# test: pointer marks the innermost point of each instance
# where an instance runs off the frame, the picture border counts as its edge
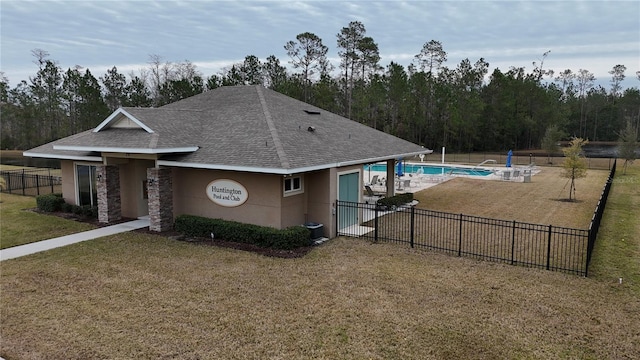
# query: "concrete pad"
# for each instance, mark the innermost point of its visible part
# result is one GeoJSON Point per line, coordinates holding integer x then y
{"type": "Point", "coordinates": [44, 245]}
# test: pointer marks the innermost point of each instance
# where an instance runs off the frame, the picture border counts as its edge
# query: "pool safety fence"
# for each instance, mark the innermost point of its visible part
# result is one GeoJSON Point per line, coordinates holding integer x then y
{"type": "Point", "coordinates": [518, 159]}
{"type": "Point", "coordinates": [511, 242]}
{"type": "Point", "coordinates": [30, 182]}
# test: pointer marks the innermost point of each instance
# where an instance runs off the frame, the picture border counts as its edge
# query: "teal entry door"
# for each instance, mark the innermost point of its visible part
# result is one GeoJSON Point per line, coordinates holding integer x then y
{"type": "Point", "coordinates": [348, 190]}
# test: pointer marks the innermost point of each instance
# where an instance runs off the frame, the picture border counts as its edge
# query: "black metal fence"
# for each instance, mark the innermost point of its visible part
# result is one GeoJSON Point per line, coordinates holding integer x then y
{"type": "Point", "coordinates": [30, 182]}
{"type": "Point", "coordinates": [597, 215]}
{"type": "Point", "coordinates": [506, 241]}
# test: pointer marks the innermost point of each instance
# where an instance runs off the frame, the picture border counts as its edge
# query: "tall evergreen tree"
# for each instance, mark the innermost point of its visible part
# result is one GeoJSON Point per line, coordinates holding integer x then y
{"type": "Point", "coordinates": [309, 54]}
{"type": "Point", "coordinates": [617, 76]}
{"type": "Point", "coordinates": [275, 75]}
{"type": "Point", "coordinates": [138, 94]}
{"type": "Point", "coordinates": [252, 70]}
{"type": "Point", "coordinates": [46, 89]}
{"type": "Point", "coordinates": [115, 88]}
{"type": "Point", "coordinates": [350, 41]}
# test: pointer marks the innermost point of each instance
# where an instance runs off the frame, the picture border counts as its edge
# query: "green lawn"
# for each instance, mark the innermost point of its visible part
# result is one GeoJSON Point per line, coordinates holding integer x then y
{"type": "Point", "coordinates": [19, 226]}
{"type": "Point", "coordinates": [617, 251]}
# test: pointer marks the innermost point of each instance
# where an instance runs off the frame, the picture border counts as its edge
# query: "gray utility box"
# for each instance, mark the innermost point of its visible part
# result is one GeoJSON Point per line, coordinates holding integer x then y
{"type": "Point", "coordinates": [317, 230]}
{"type": "Point", "coordinates": [527, 176]}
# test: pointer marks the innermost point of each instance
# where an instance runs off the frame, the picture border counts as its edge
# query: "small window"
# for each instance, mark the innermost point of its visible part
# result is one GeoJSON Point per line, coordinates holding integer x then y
{"type": "Point", "coordinates": [292, 185]}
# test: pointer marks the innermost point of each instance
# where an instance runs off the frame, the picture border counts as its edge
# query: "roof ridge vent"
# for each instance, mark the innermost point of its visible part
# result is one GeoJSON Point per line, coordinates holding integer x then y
{"type": "Point", "coordinates": [312, 112]}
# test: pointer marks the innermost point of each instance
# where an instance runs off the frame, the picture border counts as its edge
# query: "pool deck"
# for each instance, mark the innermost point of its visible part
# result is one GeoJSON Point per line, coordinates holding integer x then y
{"type": "Point", "coordinates": [418, 182]}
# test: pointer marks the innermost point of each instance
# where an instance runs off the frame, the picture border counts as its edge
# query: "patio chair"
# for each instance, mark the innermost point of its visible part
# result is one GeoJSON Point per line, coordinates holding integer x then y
{"type": "Point", "coordinates": [372, 193]}
{"type": "Point", "coordinates": [372, 196]}
{"type": "Point", "coordinates": [506, 175]}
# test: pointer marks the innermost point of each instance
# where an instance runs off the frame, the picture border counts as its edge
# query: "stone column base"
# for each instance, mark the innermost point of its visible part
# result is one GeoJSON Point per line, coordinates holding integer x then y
{"type": "Point", "coordinates": [160, 190]}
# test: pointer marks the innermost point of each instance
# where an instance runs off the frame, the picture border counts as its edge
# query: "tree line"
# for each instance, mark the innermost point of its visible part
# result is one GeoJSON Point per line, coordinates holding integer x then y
{"type": "Point", "coordinates": [429, 103]}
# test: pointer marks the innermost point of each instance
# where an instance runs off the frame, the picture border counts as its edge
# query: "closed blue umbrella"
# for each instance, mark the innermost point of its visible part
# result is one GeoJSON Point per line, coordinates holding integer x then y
{"type": "Point", "coordinates": [399, 172]}
{"type": "Point", "coordinates": [509, 154]}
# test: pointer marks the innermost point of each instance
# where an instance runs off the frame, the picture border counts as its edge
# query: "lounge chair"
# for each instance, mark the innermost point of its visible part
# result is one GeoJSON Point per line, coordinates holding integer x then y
{"type": "Point", "coordinates": [372, 196]}
{"type": "Point", "coordinates": [374, 180]}
{"type": "Point", "coordinates": [372, 193]}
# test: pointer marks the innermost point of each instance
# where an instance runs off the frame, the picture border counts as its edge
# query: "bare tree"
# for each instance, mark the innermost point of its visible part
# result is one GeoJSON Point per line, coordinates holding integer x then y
{"type": "Point", "coordinates": [627, 144]}
{"type": "Point", "coordinates": [538, 71]}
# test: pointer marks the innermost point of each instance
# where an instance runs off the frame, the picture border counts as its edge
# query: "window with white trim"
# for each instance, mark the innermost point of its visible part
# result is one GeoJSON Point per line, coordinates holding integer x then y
{"type": "Point", "coordinates": [293, 185]}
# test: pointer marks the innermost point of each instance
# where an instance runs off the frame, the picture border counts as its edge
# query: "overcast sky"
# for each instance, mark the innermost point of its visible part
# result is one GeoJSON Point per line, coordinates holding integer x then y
{"type": "Point", "coordinates": [592, 35]}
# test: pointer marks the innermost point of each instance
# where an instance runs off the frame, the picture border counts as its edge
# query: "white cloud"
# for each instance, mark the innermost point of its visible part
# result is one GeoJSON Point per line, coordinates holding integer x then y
{"type": "Point", "coordinates": [594, 35]}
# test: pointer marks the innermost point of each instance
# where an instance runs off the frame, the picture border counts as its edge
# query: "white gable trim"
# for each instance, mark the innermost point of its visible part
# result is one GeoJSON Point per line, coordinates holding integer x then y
{"type": "Point", "coordinates": [127, 150]}
{"type": "Point", "coordinates": [113, 118]}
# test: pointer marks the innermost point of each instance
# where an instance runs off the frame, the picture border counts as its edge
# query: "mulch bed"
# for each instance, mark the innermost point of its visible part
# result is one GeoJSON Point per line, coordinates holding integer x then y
{"type": "Point", "coordinates": [278, 253]}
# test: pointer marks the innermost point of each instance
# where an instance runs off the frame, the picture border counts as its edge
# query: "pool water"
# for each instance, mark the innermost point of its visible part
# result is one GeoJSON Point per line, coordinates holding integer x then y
{"type": "Point", "coordinates": [433, 169]}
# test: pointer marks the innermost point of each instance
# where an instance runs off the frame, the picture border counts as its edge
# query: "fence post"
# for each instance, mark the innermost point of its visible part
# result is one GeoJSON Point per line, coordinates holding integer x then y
{"type": "Point", "coordinates": [51, 181]}
{"type": "Point", "coordinates": [413, 223]}
{"type": "Point", "coordinates": [8, 177]}
{"type": "Point", "coordinates": [460, 237]}
{"type": "Point", "coordinates": [24, 185]}
{"type": "Point", "coordinates": [589, 247]}
{"type": "Point", "coordinates": [37, 184]}
{"type": "Point", "coordinates": [513, 240]}
{"type": "Point", "coordinates": [549, 248]}
{"type": "Point", "coordinates": [337, 217]}
{"type": "Point", "coordinates": [375, 223]}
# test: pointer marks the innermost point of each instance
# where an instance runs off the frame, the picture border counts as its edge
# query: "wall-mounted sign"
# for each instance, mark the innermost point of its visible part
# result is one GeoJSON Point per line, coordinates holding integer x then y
{"type": "Point", "coordinates": [225, 192]}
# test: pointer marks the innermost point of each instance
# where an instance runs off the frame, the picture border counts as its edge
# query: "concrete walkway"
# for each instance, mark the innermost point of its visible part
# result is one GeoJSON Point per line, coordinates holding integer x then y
{"type": "Point", "coordinates": [44, 245]}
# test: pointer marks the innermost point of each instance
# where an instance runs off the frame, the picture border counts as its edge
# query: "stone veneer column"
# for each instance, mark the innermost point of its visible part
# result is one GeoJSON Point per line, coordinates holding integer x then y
{"type": "Point", "coordinates": [160, 190]}
{"type": "Point", "coordinates": [108, 190]}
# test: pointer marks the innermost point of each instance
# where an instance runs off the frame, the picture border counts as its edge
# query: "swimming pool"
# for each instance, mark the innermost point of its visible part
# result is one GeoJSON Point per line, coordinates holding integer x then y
{"type": "Point", "coordinates": [428, 169]}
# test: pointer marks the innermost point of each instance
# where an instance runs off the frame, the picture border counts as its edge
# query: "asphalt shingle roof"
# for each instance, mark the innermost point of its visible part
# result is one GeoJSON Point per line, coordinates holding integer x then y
{"type": "Point", "coordinates": [247, 127]}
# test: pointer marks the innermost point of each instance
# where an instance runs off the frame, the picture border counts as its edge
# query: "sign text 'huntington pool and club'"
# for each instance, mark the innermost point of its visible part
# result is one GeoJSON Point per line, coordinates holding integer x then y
{"type": "Point", "coordinates": [225, 192]}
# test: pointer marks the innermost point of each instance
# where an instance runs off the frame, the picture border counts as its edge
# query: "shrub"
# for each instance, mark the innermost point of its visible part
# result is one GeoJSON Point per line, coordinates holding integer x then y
{"type": "Point", "coordinates": [77, 210]}
{"type": "Point", "coordinates": [90, 211]}
{"type": "Point", "coordinates": [289, 238]}
{"type": "Point", "coordinates": [397, 200]}
{"type": "Point", "coordinates": [66, 207]}
{"type": "Point", "coordinates": [49, 202]}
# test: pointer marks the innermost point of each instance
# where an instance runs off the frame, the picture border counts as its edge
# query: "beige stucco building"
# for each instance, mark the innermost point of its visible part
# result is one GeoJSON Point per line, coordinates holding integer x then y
{"type": "Point", "coordinates": [243, 153]}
